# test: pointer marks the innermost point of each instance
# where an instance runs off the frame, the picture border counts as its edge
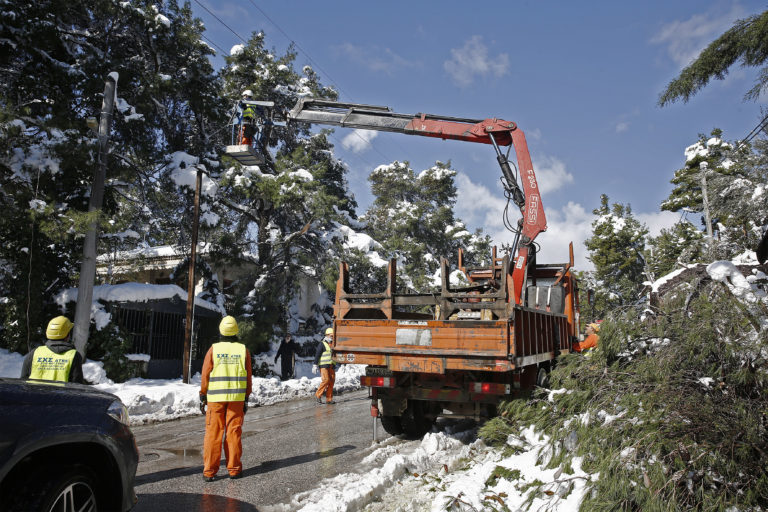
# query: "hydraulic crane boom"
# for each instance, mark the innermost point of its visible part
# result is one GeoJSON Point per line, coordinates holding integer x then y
{"type": "Point", "coordinates": [496, 132]}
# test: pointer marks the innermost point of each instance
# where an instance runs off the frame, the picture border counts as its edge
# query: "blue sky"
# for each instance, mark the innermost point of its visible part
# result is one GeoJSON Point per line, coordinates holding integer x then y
{"type": "Point", "coordinates": [580, 78]}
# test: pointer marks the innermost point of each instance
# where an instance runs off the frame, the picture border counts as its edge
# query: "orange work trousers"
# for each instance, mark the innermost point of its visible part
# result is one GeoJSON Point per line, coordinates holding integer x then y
{"type": "Point", "coordinates": [223, 417]}
{"type": "Point", "coordinates": [326, 385]}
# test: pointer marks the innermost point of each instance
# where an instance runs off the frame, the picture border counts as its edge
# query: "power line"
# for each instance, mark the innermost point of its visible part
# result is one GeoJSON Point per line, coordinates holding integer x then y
{"type": "Point", "coordinates": [222, 50]}
{"type": "Point", "coordinates": [219, 20]}
{"type": "Point", "coordinates": [756, 130]}
{"type": "Point", "coordinates": [300, 48]}
{"type": "Point", "coordinates": [311, 60]}
{"type": "Point", "coordinates": [316, 65]}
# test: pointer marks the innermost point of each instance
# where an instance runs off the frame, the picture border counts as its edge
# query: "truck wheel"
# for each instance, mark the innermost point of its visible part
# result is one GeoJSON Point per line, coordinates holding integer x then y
{"type": "Point", "coordinates": [414, 421]}
{"type": "Point", "coordinates": [542, 379]}
{"type": "Point", "coordinates": [392, 425]}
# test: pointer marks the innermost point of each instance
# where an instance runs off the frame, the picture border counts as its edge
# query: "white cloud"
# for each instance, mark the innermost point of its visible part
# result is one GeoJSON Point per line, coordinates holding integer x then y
{"type": "Point", "coordinates": [622, 127]}
{"type": "Point", "coordinates": [685, 39]}
{"type": "Point", "coordinates": [375, 58]}
{"type": "Point", "coordinates": [480, 207]}
{"type": "Point", "coordinates": [477, 205]}
{"type": "Point", "coordinates": [656, 221]}
{"type": "Point", "coordinates": [533, 134]}
{"type": "Point", "coordinates": [359, 140]}
{"type": "Point", "coordinates": [571, 223]}
{"type": "Point", "coordinates": [472, 60]}
{"type": "Point", "coordinates": [551, 174]}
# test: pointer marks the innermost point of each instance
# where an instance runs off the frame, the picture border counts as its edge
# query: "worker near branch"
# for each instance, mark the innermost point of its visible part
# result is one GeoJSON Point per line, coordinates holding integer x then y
{"type": "Point", "coordinates": [224, 389]}
{"type": "Point", "coordinates": [247, 118]}
{"type": "Point", "coordinates": [590, 342]}
{"type": "Point", "coordinates": [57, 359]}
{"type": "Point", "coordinates": [324, 361]}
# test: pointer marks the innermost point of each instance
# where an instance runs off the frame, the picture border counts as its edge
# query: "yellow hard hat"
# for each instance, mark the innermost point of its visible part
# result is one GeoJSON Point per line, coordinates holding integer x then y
{"type": "Point", "coordinates": [595, 327]}
{"type": "Point", "coordinates": [58, 328]}
{"type": "Point", "coordinates": [329, 331]}
{"type": "Point", "coordinates": [228, 326]}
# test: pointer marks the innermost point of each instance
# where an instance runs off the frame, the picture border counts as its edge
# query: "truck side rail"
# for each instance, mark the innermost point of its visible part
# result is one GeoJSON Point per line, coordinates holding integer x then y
{"type": "Point", "coordinates": [486, 301]}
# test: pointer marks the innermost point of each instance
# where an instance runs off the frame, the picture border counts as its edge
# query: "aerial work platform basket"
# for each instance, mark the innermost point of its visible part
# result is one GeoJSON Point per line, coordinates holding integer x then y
{"type": "Point", "coordinates": [249, 131]}
{"type": "Point", "coordinates": [245, 154]}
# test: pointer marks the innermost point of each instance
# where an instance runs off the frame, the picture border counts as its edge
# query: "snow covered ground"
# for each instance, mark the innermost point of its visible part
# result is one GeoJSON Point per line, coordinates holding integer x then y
{"type": "Point", "coordinates": [450, 469]}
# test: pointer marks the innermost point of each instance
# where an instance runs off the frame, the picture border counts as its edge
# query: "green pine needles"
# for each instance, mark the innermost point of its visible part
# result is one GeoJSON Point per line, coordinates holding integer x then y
{"type": "Point", "coordinates": [671, 412]}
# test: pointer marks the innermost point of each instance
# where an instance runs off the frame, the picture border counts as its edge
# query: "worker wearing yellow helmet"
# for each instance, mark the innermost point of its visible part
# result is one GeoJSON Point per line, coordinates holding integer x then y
{"type": "Point", "coordinates": [224, 388]}
{"type": "Point", "coordinates": [324, 361]}
{"type": "Point", "coordinates": [590, 342]}
{"type": "Point", "coordinates": [56, 360]}
{"type": "Point", "coordinates": [247, 118]}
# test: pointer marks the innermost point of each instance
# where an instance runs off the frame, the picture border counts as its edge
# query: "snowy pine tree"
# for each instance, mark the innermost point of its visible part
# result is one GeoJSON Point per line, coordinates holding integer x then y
{"type": "Point", "coordinates": [616, 249]}
{"type": "Point", "coordinates": [413, 218]}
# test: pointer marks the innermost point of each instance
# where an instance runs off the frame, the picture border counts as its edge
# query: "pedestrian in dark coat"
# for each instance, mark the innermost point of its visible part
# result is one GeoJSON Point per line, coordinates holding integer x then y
{"type": "Point", "coordinates": [287, 354]}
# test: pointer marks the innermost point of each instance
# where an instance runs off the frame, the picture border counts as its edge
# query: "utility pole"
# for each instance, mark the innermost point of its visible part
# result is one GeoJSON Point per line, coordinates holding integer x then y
{"type": "Point", "coordinates": [191, 284]}
{"type": "Point", "coordinates": [703, 166]}
{"type": "Point", "coordinates": [88, 265]}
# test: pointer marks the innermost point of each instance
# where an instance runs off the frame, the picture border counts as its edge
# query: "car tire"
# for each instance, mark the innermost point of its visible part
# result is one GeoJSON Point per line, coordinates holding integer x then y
{"type": "Point", "coordinates": [58, 489]}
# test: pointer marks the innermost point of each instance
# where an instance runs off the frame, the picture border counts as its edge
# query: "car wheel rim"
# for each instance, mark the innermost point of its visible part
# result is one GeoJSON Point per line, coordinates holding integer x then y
{"type": "Point", "coordinates": [76, 497]}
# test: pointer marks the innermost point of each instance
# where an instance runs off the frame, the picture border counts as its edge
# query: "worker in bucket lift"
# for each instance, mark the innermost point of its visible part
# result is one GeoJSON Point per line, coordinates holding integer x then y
{"type": "Point", "coordinates": [590, 342]}
{"type": "Point", "coordinates": [324, 361]}
{"type": "Point", "coordinates": [224, 388]}
{"type": "Point", "coordinates": [247, 119]}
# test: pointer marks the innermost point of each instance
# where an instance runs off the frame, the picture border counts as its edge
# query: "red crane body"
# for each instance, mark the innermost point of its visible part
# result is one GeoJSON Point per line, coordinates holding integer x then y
{"type": "Point", "coordinates": [494, 131]}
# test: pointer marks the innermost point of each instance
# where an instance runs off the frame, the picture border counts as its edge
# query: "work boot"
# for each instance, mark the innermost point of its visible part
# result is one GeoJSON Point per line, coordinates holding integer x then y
{"type": "Point", "coordinates": [330, 402]}
{"type": "Point", "coordinates": [208, 478]}
{"type": "Point", "coordinates": [236, 476]}
{"type": "Point", "coordinates": [319, 400]}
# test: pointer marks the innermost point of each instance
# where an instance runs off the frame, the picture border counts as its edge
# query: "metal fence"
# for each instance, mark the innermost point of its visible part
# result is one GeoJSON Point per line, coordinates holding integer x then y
{"type": "Point", "coordinates": [157, 328]}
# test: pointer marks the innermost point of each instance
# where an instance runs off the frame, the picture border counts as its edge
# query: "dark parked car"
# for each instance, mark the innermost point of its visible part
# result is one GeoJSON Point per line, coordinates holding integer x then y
{"type": "Point", "coordinates": [64, 447]}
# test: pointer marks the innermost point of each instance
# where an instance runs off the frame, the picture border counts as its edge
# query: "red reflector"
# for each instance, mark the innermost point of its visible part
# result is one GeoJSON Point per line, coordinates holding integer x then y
{"type": "Point", "coordinates": [378, 382]}
{"type": "Point", "coordinates": [489, 388]}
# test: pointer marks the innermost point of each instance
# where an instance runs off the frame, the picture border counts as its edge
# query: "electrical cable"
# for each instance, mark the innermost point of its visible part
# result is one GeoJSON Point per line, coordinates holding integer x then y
{"type": "Point", "coordinates": [222, 50]}
{"type": "Point", "coordinates": [311, 60]}
{"type": "Point", "coordinates": [219, 20]}
{"type": "Point", "coordinates": [508, 224]}
{"type": "Point", "coordinates": [299, 47]}
{"type": "Point", "coordinates": [319, 68]}
{"type": "Point", "coordinates": [755, 131]}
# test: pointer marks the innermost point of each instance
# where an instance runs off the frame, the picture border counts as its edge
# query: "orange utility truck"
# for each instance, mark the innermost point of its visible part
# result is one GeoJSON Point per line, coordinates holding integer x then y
{"type": "Point", "coordinates": [463, 349]}
{"type": "Point", "coordinates": [474, 347]}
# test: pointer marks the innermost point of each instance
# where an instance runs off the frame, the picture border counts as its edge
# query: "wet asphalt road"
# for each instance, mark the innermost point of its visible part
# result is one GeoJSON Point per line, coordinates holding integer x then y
{"type": "Point", "coordinates": [287, 448]}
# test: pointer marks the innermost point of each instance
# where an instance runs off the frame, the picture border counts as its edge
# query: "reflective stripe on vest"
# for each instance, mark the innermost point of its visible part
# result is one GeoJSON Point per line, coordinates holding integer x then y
{"type": "Point", "coordinates": [229, 378]}
{"type": "Point", "coordinates": [48, 365]}
{"type": "Point", "coordinates": [326, 357]}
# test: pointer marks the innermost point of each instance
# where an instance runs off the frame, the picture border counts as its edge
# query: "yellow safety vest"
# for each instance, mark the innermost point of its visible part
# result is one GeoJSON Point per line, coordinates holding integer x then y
{"type": "Point", "coordinates": [326, 357]}
{"type": "Point", "coordinates": [48, 365]}
{"type": "Point", "coordinates": [229, 378]}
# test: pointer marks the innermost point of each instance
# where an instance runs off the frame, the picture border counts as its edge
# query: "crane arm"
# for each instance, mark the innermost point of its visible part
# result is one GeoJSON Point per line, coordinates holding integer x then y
{"type": "Point", "coordinates": [496, 132]}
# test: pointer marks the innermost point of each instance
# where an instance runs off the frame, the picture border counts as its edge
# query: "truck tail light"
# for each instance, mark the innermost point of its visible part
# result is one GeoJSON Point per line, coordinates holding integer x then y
{"type": "Point", "coordinates": [378, 382]}
{"type": "Point", "coordinates": [489, 388]}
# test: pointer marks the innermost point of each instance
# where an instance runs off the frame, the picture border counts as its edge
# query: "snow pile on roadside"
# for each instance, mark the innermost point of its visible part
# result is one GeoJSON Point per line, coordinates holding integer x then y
{"type": "Point", "coordinates": [153, 400]}
{"type": "Point", "coordinates": [451, 471]}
